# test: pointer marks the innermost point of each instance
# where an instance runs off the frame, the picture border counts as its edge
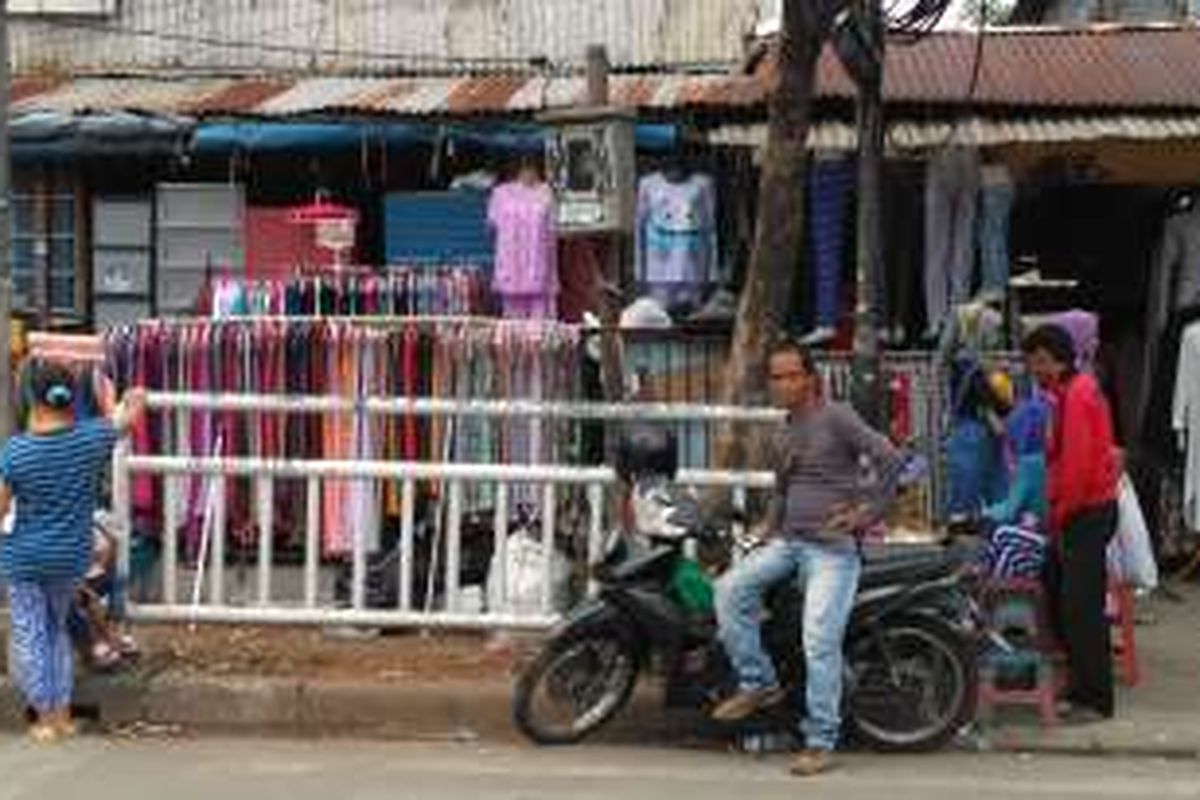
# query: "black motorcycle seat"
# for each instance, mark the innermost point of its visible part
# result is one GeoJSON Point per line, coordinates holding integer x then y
{"type": "Point", "coordinates": [902, 565]}
{"type": "Point", "coordinates": [642, 564]}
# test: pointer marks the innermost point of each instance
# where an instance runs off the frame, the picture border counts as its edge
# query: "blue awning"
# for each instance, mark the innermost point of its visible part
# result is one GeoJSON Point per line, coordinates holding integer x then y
{"type": "Point", "coordinates": [45, 135]}
{"type": "Point", "coordinates": [268, 137]}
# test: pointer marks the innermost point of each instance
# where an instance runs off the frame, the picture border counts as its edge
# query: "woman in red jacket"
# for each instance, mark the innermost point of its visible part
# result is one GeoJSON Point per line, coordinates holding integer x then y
{"type": "Point", "coordinates": [1082, 473]}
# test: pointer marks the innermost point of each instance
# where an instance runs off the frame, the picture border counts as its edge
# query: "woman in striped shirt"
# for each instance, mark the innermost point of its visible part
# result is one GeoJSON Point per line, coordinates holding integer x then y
{"type": "Point", "coordinates": [52, 472]}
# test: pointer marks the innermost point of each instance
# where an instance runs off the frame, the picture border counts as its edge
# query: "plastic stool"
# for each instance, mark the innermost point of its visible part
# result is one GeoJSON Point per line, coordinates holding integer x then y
{"type": "Point", "coordinates": [1018, 607]}
{"type": "Point", "coordinates": [1041, 693]}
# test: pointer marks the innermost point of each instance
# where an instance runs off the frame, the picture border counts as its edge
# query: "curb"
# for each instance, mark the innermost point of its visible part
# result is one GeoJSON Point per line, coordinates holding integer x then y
{"type": "Point", "coordinates": [468, 712]}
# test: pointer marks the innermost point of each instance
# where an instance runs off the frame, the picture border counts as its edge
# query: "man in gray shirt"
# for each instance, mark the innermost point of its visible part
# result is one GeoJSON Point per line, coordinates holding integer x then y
{"type": "Point", "coordinates": [820, 502]}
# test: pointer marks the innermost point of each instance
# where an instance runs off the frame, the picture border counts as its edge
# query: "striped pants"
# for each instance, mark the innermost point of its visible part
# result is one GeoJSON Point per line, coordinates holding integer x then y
{"type": "Point", "coordinates": [41, 662]}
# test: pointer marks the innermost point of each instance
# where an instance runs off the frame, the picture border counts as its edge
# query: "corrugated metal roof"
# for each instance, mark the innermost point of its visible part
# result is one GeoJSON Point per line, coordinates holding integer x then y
{"type": "Point", "coordinates": [21, 88]}
{"type": "Point", "coordinates": [982, 132]}
{"type": "Point", "coordinates": [1126, 69]}
{"type": "Point", "coordinates": [181, 96]}
{"type": "Point", "coordinates": [1083, 67]}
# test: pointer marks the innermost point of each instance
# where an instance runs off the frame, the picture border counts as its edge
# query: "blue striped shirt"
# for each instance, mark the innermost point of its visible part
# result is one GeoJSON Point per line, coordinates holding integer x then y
{"type": "Point", "coordinates": [54, 479]}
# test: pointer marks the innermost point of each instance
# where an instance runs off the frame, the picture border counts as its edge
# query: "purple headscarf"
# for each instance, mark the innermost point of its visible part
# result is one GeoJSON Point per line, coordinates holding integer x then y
{"type": "Point", "coordinates": [1084, 330]}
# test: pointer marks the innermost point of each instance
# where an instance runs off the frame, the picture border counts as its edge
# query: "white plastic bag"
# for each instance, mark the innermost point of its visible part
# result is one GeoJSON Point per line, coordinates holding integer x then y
{"type": "Point", "coordinates": [1130, 554]}
{"type": "Point", "coordinates": [523, 578]}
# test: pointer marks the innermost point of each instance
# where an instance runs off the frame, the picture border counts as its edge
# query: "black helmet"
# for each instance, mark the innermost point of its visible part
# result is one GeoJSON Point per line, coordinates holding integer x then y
{"type": "Point", "coordinates": [647, 450]}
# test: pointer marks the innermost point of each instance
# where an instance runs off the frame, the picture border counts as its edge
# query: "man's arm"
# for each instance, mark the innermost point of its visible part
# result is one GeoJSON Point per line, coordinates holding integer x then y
{"type": "Point", "coordinates": [888, 461]}
{"type": "Point", "coordinates": [776, 458]}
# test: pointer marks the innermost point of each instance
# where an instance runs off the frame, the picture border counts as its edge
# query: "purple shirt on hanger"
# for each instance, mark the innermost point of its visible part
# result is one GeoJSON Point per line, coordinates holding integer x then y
{"type": "Point", "coordinates": [522, 216]}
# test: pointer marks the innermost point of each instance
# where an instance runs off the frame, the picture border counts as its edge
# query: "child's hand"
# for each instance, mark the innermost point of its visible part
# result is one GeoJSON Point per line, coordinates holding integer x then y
{"type": "Point", "coordinates": [131, 409]}
{"type": "Point", "coordinates": [106, 393]}
{"type": "Point", "coordinates": [135, 402]}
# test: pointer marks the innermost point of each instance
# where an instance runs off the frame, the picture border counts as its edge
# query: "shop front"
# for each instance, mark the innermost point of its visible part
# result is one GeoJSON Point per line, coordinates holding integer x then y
{"type": "Point", "coordinates": [1003, 204]}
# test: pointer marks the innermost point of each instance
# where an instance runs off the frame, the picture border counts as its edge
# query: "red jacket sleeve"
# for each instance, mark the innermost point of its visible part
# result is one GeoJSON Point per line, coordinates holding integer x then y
{"type": "Point", "coordinates": [1086, 473]}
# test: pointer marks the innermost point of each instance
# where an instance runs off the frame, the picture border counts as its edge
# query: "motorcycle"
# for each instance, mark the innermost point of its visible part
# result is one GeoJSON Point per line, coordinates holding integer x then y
{"type": "Point", "coordinates": [910, 682]}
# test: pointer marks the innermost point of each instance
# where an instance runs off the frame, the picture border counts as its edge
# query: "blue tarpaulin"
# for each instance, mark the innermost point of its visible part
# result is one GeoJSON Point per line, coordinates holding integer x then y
{"type": "Point", "coordinates": [45, 135]}
{"type": "Point", "coordinates": [264, 137]}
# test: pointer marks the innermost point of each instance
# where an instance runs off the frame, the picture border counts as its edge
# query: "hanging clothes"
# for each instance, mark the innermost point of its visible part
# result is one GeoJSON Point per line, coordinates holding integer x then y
{"type": "Point", "coordinates": [975, 461]}
{"type": "Point", "coordinates": [459, 289]}
{"type": "Point", "coordinates": [831, 191]}
{"type": "Point", "coordinates": [1156, 433]}
{"type": "Point", "coordinates": [581, 271]}
{"type": "Point", "coordinates": [526, 264]}
{"type": "Point", "coordinates": [951, 197]}
{"type": "Point", "coordinates": [1185, 420]}
{"type": "Point", "coordinates": [677, 255]}
{"type": "Point", "coordinates": [996, 196]}
{"type": "Point", "coordinates": [349, 358]}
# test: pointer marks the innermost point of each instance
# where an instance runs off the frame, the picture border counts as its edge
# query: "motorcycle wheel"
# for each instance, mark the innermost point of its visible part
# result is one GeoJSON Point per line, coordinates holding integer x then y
{"type": "Point", "coordinates": [927, 695]}
{"type": "Point", "coordinates": [590, 674]}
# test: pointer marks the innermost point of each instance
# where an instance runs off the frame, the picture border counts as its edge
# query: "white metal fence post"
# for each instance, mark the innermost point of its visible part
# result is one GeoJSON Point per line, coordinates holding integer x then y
{"type": "Point", "coordinates": [122, 500]}
{"type": "Point", "coordinates": [453, 545]}
{"type": "Point", "coordinates": [266, 537]}
{"type": "Point", "coordinates": [312, 539]}
{"type": "Point", "coordinates": [595, 530]}
{"type": "Point", "coordinates": [498, 576]}
{"type": "Point", "coordinates": [549, 521]}
{"type": "Point", "coordinates": [217, 551]}
{"type": "Point", "coordinates": [170, 538]}
{"type": "Point", "coordinates": [408, 500]}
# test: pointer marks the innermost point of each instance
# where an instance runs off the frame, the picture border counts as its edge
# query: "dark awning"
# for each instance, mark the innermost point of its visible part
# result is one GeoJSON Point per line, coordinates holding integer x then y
{"type": "Point", "coordinates": [50, 135]}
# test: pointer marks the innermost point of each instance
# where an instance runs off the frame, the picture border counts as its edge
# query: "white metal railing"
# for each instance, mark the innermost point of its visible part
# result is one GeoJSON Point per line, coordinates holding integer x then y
{"type": "Point", "coordinates": [267, 608]}
{"type": "Point", "coordinates": [428, 406]}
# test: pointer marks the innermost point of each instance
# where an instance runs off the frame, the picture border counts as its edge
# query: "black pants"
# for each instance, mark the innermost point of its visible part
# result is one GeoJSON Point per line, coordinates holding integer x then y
{"type": "Point", "coordinates": [1077, 575]}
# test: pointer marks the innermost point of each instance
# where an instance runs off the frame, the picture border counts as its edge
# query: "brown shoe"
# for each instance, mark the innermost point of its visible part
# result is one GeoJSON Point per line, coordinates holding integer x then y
{"type": "Point", "coordinates": [813, 762]}
{"type": "Point", "coordinates": [746, 702]}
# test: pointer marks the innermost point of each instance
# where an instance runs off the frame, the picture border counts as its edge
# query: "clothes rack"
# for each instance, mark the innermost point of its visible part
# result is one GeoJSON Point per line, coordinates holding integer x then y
{"type": "Point", "coordinates": [403, 356]}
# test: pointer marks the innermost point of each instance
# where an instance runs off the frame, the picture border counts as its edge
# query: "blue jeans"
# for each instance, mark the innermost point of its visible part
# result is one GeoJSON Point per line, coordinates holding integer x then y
{"type": "Point", "coordinates": [995, 206]}
{"type": "Point", "coordinates": [829, 579]}
{"type": "Point", "coordinates": [976, 464]}
{"type": "Point", "coordinates": [831, 185]}
{"type": "Point", "coordinates": [41, 661]}
{"type": "Point", "coordinates": [951, 198]}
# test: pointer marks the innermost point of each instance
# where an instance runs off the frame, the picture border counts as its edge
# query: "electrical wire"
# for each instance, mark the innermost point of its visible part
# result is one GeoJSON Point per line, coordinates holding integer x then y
{"type": "Point", "coordinates": [911, 20]}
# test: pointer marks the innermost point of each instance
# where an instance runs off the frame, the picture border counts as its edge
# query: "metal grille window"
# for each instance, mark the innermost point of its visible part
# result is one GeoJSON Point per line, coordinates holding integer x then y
{"type": "Point", "coordinates": [43, 245]}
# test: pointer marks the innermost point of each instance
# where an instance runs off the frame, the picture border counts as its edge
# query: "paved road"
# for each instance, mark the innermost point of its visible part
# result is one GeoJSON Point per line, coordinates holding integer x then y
{"type": "Point", "coordinates": [98, 769]}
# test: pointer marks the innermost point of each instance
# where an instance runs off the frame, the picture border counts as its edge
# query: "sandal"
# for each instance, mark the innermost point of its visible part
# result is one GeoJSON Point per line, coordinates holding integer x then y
{"type": "Point", "coordinates": [104, 656]}
{"type": "Point", "coordinates": [43, 733]}
{"type": "Point", "coordinates": [127, 646]}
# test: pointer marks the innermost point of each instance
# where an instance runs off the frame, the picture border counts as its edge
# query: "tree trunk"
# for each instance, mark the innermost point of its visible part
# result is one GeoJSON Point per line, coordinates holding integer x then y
{"type": "Point", "coordinates": [779, 230]}
{"type": "Point", "coordinates": [869, 263]}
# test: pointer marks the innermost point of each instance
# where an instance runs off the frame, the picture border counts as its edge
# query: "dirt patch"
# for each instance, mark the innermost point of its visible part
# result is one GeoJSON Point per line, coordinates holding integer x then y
{"type": "Point", "coordinates": [313, 654]}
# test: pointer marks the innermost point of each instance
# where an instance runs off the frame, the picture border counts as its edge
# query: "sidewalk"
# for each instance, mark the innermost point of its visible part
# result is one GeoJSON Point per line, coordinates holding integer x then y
{"type": "Point", "coordinates": [413, 687]}
{"type": "Point", "coordinates": [1161, 717]}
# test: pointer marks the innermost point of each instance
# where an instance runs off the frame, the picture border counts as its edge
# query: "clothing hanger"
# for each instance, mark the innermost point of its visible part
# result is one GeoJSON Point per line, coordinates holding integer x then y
{"type": "Point", "coordinates": [1185, 202]}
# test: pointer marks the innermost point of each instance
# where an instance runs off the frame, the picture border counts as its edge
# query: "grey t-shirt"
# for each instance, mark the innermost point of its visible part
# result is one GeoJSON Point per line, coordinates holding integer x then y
{"type": "Point", "coordinates": [818, 462]}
